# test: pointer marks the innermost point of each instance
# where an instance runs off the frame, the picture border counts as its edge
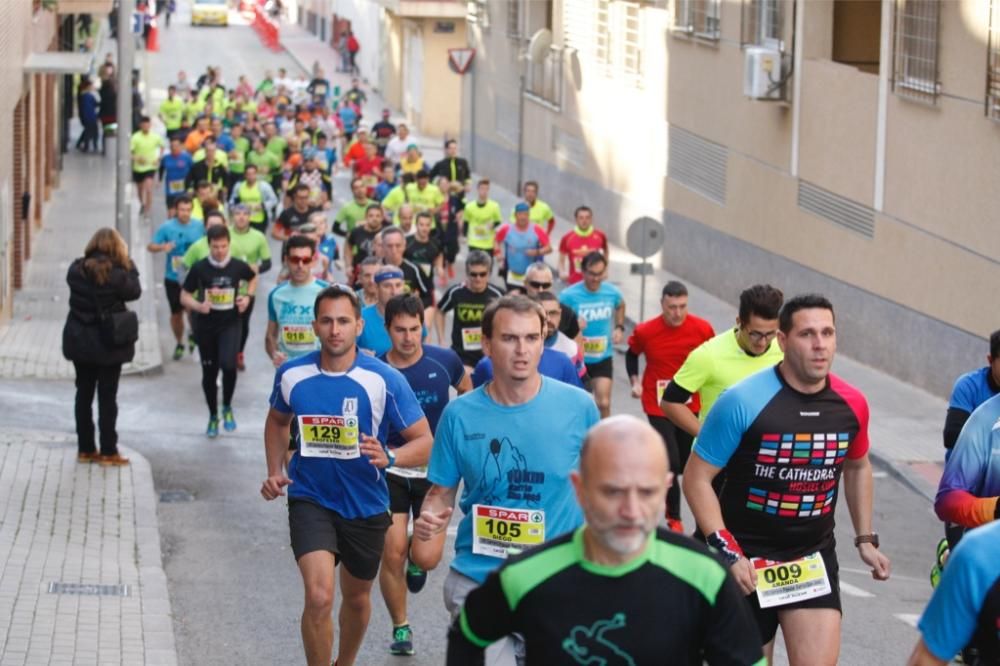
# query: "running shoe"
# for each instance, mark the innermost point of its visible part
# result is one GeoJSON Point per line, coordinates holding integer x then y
{"type": "Point", "coordinates": [938, 568]}
{"type": "Point", "coordinates": [178, 352]}
{"type": "Point", "coordinates": [675, 525]}
{"type": "Point", "coordinates": [228, 420]}
{"type": "Point", "coordinates": [402, 641]}
{"type": "Point", "coordinates": [415, 577]}
{"type": "Point", "coordinates": [240, 363]}
{"type": "Point", "coordinates": [191, 343]}
{"type": "Point", "coordinates": [213, 428]}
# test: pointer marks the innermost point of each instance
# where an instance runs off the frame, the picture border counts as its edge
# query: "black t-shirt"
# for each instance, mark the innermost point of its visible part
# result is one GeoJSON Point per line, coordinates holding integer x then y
{"type": "Point", "coordinates": [569, 325]}
{"type": "Point", "coordinates": [423, 254]}
{"type": "Point", "coordinates": [291, 219]}
{"type": "Point", "coordinates": [383, 131]}
{"type": "Point", "coordinates": [676, 603]}
{"type": "Point", "coordinates": [466, 331]}
{"type": "Point", "coordinates": [360, 242]}
{"type": "Point", "coordinates": [220, 286]}
{"type": "Point", "coordinates": [417, 283]}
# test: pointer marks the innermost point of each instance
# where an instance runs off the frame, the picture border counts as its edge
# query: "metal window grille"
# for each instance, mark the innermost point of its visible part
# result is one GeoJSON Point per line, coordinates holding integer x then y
{"type": "Point", "coordinates": [993, 63]}
{"type": "Point", "coordinates": [763, 22]}
{"type": "Point", "coordinates": [514, 19]}
{"type": "Point", "coordinates": [916, 53]}
{"type": "Point", "coordinates": [545, 78]}
{"type": "Point", "coordinates": [478, 11]}
{"type": "Point", "coordinates": [697, 17]}
{"type": "Point", "coordinates": [631, 40]}
{"type": "Point", "coordinates": [602, 32]}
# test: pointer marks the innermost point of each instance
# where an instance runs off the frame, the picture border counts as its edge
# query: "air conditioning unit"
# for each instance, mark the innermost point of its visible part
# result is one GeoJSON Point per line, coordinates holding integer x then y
{"type": "Point", "coordinates": [763, 75]}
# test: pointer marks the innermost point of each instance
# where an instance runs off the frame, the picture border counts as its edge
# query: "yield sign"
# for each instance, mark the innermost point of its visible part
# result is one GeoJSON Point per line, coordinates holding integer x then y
{"type": "Point", "coordinates": [460, 59]}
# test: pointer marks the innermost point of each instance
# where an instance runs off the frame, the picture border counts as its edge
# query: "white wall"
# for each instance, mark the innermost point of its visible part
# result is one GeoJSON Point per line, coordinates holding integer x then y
{"type": "Point", "coordinates": [366, 23]}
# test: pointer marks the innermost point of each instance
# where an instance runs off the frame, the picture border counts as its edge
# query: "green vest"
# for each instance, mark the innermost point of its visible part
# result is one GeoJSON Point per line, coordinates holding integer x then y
{"type": "Point", "coordinates": [251, 197]}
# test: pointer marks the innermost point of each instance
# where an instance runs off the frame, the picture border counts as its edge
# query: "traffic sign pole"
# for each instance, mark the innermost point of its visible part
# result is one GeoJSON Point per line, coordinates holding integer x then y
{"type": "Point", "coordinates": [644, 238]}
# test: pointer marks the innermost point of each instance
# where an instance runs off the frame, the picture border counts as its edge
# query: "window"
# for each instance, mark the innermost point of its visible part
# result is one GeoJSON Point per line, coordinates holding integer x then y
{"type": "Point", "coordinates": [631, 55]}
{"type": "Point", "coordinates": [763, 23]}
{"type": "Point", "coordinates": [514, 19]}
{"type": "Point", "coordinates": [545, 78]}
{"type": "Point", "coordinates": [993, 63]}
{"type": "Point", "coordinates": [697, 17]}
{"type": "Point", "coordinates": [916, 56]}
{"type": "Point", "coordinates": [602, 36]}
{"type": "Point", "coordinates": [478, 11]}
{"type": "Point", "coordinates": [857, 33]}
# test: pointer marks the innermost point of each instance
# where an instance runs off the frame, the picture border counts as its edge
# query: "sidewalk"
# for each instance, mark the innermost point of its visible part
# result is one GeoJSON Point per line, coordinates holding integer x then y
{"type": "Point", "coordinates": [31, 342]}
{"type": "Point", "coordinates": [81, 579]}
{"type": "Point", "coordinates": [906, 422]}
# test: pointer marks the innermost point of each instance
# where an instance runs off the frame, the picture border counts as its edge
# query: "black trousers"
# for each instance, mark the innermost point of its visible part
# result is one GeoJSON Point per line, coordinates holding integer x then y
{"type": "Point", "coordinates": [89, 136]}
{"type": "Point", "coordinates": [245, 324]}
{"type": "Point", "coordinates": [678, 445]}
{"type": "Point", "coordinates": [104, 380]}
{"type": "Point", "coordinates": [217, 349]}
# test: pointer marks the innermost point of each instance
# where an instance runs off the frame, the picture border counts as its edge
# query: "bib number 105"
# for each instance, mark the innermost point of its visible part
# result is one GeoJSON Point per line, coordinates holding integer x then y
{"type": "Point", "coordinates": [503, 528]}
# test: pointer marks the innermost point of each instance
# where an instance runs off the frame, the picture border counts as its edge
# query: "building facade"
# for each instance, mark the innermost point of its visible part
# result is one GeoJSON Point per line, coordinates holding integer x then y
{"type": "Point", "coordinates": [849, 147]}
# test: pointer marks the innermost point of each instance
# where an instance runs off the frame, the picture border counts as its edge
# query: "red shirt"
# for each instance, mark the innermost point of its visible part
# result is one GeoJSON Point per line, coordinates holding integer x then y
{"type": "Point", "coordinates": [576, 247]}
{"type": "Point", "coordinates": [666, 348]}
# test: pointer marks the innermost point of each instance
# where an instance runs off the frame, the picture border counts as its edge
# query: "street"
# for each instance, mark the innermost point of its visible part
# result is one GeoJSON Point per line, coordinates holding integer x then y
{"type": "Point", "coordinates": [235, 591]}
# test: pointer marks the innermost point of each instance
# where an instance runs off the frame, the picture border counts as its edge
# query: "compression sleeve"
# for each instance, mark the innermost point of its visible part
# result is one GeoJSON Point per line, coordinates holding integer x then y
{"type": "Point", "coordinates": [631, 364]}
{"type": "Point", "coordinates": [953, 424]}
{"type": "Point", "coordinates": [265, 266]}
{"type": "Point", "coordinates": [675, 393]}
{"type": "Point", "coordinates": [958, 498]}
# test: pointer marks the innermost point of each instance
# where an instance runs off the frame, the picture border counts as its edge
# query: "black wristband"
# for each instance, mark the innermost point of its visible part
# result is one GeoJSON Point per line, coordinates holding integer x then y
{"type": "Point", "coordinates": [996, 510]}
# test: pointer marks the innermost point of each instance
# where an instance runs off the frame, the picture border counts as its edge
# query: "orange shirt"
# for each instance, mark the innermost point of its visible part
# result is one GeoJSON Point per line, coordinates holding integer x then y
{"type": "Point", "coordinates": [194, 140]}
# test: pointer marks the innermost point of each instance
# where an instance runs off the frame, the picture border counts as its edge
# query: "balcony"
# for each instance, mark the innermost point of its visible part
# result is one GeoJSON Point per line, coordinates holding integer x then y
{"type": "Point", "coordinates": [446, 9]}
{"type": "Point", "coordinates": [99, 7]}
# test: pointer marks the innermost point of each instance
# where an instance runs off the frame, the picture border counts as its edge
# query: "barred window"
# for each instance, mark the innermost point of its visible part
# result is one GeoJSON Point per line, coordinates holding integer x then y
{"type": "Point", "coordinates": [545, 78]}
{"type": "Point", "coordinates": [763, 23]}
{"type": "Point", "coordinates": [916, 54]}
{"type": "Point", "coordinates": [478, 11]}
{"type": "Point", "coordinates": [697, 17]}
{"type": "Point", "coordinates": [514, 19]}
{"type": "Point", "coordinates": [993, 63]}
{"type": "Point", "coordinates": [631, 39]}
{"type": "Point", "coordinates": [602, 36]}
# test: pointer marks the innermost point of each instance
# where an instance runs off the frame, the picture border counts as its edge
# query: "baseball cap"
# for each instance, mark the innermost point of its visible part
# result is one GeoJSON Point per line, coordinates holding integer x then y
{"type": "Point", "coordinates": [522, 207]}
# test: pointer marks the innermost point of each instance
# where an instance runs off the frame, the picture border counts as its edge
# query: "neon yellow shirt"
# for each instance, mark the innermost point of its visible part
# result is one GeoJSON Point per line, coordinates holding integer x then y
{"type": "Point", "coordinates": [172, 112]}
{"type": "Point", "coordinates": [540, 213]}
{"type": "Point", "coordinates": [429, 198]}
{"type": "Point", "coordinates": [482, 221]}
{"type": "Point", "coordinates": [145, 148]}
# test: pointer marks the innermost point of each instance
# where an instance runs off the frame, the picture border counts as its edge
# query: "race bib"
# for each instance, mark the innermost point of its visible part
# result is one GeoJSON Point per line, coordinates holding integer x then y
{"type": "Point", "coordinates": [516, 279]}
{"type": "Point", "coordinates": [780, 583]}
{"type": "Point", "coordinates": [481, 232]}
{"type": "Point", "coordinates": [255, 207]}
{"type": "Point", "coordinates": [661, 386]}
{"type": "Point", "coordinates": [472, 339]}
{"type": "Point", "coordinates": [595, 346]}
{"type": "Point", "coordinates": [498, 531]}
{"type": "Point", "coordinates": [175, 186]}
{"type": "Point", "coordinates": [177, 263]}
{"type": "Point", "coordinates": [329, 437]}
{"type": "Point", "coordinates": [221, 298]}
{"type": "Point", "coordinates": [298, 337]}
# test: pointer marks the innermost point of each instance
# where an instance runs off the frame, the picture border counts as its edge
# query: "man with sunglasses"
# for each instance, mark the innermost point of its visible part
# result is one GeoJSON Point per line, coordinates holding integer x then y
{"type": "Point", "coordinates": [469, 301]}
{"type": "Point", "coordinates": [289, 305]}
{"type": "Point", "coordinates": [726, 359]}
{"type": "Point", "coordinates": [539, 279]}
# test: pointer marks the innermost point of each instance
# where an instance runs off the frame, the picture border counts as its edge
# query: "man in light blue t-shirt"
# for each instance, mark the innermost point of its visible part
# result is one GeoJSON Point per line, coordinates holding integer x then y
{"type": "Point", "coordinates": [601, 305]}
{"type": "Point", "coordinates": [513, 443]}
{"type": "Point", "coordinates": [374, 339]}
{"type": "Point", "coordinates": [174, 237]}
{"type": "Point", "coordinates": [290, 305]}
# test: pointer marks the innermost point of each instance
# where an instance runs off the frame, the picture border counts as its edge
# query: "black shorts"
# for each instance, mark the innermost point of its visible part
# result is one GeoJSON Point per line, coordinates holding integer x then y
{"type": "Point", "coordinates": [139, 176]}
{"type": "Point", "coordinates": [406, 495]}
{"type": "Point", "coordinates": [603, 368]}
{"type": "Point", "coordinates": [767, 618]}
{"type": "Point", "coordinates": [358, 542]}
{"type": "Point", "coordinates": [173, 290]}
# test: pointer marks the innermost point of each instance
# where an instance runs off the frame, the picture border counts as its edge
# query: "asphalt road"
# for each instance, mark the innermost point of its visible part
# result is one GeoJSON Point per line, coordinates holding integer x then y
{"type": "Point", "coordinates": [234, 587]}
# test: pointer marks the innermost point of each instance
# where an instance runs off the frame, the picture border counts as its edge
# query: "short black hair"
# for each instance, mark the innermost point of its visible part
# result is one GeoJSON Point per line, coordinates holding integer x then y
{"type": "Point", "coordinates": [544, 296]}
{"type": "Point", "coordinates": [250, 166]}
{"type": "Point", "coordinates": [333, 292]}
{"type": "Point", "coordinates": [403, 304]}
{"type": "Point", "coordinates": [143, 119]}
{"type": "Point", "coordinates": [995, 343]}
{"type": "Point", "coordinates": [580, 209]}
{"type": "Point", "coordinates": [593, 258]}
{"type": "Point", "coordinates": [423, 213]}
{"type": "Point", "coordinates": [218, 232]}
{"type": "Point", "coordinates": [371, 206]}
{"type": "Point", "coordinates": [298, 242]}
{"type": "Point", "coordinates": [762, 300]}
{"type": "Point", "coordinates": [449, 142]}
{"type": "Point", "coordinates": [202, 184]}
{"type": "Point", "coordinates": [208, 140]}
{"type": "Point", "coordinates": [408, 178]}
{"type": "Point", "coordinates": [183, 199]}
{"type": "Point", "coordinates": [214, 212]}
{"type": "Point", "coordinates": [673, 289]}
{"type": "Point", "coordinates": [301, 187]}
{"type": "Point", "coordinates": [802, 302]}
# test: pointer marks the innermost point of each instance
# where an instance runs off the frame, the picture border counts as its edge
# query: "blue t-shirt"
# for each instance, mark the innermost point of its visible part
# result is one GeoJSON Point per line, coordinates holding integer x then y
{"type": "Point", "coordinates": [971, 390]}
{"type": "Point", "coordinates": [225, 142]}
{"type": "Point", "coordinates": [598, 309]}
{"type": "Point", "coordinates": [516, 457]}
{"type": "Point", "coordinates": [973, 468]}
{"type": "Point", "coordinates": [349, 117]}
{"type": "Point", "coordinates": [382, 189]}
{"type": "Point", "coordinates": [328, 248]}
{"type": "Point", "coordinates": [183, 236]}
{"type": "Point", "coordinates": [516, 243]}
{"type": "Point", "coordinates": [342, 406]}
{"type": "Point", "coordinates": [965, 607]}
{"type": "Point", "coordinates": [374, 339]}
{"type": "Point", "coordinates": [291, 308]}
{"type": "Point", "coordinates": [175, 171]}
{"type": "Point", "coordinates": [554, 364]}
{"type": "Point", "coordinates": [438, 370]}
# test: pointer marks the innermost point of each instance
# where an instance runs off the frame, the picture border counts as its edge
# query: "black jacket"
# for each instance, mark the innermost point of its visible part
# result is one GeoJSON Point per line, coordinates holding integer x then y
{"type": "Point", "coordinates": [443, 168]}
{"type": "Point", "coordinates": [83, 338]}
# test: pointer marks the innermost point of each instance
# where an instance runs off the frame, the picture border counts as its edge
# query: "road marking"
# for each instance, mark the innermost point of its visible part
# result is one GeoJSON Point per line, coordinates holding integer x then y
{"type": "Point", "coordinates": [895, 576]}
{"type": "Point", "coordinates": [854, 591]}
{"type": "Point", "coordinates": [909, 618]}
{"type": "Point", "coordinates": [879, 475]}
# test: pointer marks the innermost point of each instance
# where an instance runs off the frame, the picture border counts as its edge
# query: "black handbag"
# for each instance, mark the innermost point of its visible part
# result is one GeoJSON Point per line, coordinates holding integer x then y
{"type": "Point", "coordinates": [119, 328]}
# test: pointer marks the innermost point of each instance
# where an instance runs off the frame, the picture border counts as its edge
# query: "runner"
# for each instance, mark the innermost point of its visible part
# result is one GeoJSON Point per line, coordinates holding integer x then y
{"type": "Point", "coordinates": [480, 219]}
{"type": "Point", "coordinates": [294, 216]}
{"type": "Point", "coordinates": [225, 286]}
{"type": "Point", "coordinates": [666, 341]}
{"type": "Point", "coordinates": [578, 243]}
{"type": "Point", "coordinates": [497, 440]}
{"type": "Point", "coordinates": [555, 339]}
{"type": "Point", "coordinates": [383, 131]}
{"type": "Point", "coordinates": [469, 301]}
{"type": "Point", "coordinates": [396, 147]}
{"type": "Point", "coordinates": [784, 436]}
{"type": "Point", "coordinates": [174, 237]}
{"type": "Point", "coordinates": [146, 149]}
{"type": "Point", "coordinates": [414, 280]}
{"type": "Point", "coordinates": [367, 293]}
{"type": "Point", "coordinates": [319, 185]}
{"type": "Point", "coordinates": [969, 490]}
{"type": "Point", "coordinates": [726, 359]}
{"type": "Point", "coordinates": [540, 213]}
{"type": "Point", "coordinates": [374, 339]}
{"type": "Point", "coordinates": [538, 279]}
{"type": "Point", "coordinates": [171, 112]}
{"type": "Point", "coordinates": [452, 167]}
{"type": "Point", "coordinates": [964, 613]}
{"type": "Point", "coordinates": [424, 250]}
{"type": "Point", "coordinates": [430, 372]}
{"type": "Point", "coordinates": [290, 333]}
{"type": "Point", "coordinates": [360, 242]}
{"type": "Point", "coordinates": [199, 249]}
{"type": "Point", "coordinates": [602, 306]}
{"type": "Point", "coordinates": [588, 596]}
{"type": "Point", "coordinates": [211, 165]}
{"type": "Point", "coordinates": [353, 211]}
{"type": "Point", "coordinates": [256, 195]}
{"type": "Point", "coordinates": [173, 171]}
{"type": "Point", "coordinates": [520, 245]}
{"type": "Point", "coordinates": [971, 390]}
{"type": "Point", "coordinates": [249, 246]}
{"type": "Point", "coordinates": [338, 505]}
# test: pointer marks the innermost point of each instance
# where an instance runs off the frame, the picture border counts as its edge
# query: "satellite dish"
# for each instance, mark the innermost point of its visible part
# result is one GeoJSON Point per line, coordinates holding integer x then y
{"type": "Point", "coordinates": [539, 45]}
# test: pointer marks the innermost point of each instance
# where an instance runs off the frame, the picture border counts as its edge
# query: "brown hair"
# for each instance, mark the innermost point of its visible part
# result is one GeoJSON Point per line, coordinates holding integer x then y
{"type": "Point", "coordinates": [105, 250]}
{"type": "Point", "coordinates": [516, 303]}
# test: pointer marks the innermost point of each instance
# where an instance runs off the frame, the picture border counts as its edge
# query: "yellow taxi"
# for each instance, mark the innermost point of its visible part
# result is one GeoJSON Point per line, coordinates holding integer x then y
{"type": "Point", "coordinates": [209, 12]}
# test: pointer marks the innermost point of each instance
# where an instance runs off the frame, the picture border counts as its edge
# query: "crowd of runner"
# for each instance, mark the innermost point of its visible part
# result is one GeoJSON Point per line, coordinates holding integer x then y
{"type": "Point", "coordinates": [570, 547]}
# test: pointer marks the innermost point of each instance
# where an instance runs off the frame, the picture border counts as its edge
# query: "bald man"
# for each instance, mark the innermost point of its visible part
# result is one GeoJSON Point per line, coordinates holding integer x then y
{"type": "Point", "coordinates": [618, 590]}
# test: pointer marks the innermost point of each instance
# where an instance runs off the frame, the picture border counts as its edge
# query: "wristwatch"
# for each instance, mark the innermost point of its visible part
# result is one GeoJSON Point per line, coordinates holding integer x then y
{"type": "Point", "coordinates": [392, 460]}
{"type": "Point", "coordinates": [866, 538]}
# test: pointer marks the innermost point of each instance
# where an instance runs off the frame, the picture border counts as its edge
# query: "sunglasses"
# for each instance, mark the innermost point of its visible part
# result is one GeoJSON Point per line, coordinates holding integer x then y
{"type": "Point", "coordinates": [540, 285]}
{"type": "Point", "coordinates": [478, 275]}
{"type": "Point", "coordinates": [300, 261]}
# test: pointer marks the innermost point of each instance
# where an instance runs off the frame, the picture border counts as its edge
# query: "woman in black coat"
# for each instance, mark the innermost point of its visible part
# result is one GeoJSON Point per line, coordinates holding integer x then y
{"type": "Point", "coordinates": [100, 283]}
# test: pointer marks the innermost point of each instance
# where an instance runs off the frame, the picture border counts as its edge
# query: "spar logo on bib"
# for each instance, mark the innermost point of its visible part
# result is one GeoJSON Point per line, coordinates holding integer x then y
{"type": "Point", "coordinates": [508, 514]}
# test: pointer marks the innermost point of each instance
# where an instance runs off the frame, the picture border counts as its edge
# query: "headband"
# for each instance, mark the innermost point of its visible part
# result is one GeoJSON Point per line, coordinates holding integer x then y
{"type": "Point", "coordinates": [388, 275]}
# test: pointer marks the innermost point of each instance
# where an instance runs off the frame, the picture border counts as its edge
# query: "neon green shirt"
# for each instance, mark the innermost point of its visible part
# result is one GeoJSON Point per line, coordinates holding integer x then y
{"type": "Point", "coordinates": [483, 221]}
{"type": "Point", "coordinates": [351, 213]}
{"type": "Point", "coordinates": [196, 252]}
{"type": "Point", "coordinates": [172, 112]}
{"type": "Point", "coordinates": [145, 148]}
{"type": "Point", "coordinates": [718, 364]}
{"type": "Point", "coordinates": [277, 146]}
{"type": "Point", "coordinates": [540, 213]}
{"type": "Point", "coordinates": [238, 155]}
{"type": "Point", "coordinates": [266, 162]}
{"type": "Point", "coordinates": [429, 198]}
{"type": "Point", "coordinates": [394, 199]}
{"type": "Point", "coordinates": [250, 246]}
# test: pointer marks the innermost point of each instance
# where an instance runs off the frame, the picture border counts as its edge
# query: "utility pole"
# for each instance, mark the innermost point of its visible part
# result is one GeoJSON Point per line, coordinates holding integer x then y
{"type": "Point", "coordinates": [123, 135]}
